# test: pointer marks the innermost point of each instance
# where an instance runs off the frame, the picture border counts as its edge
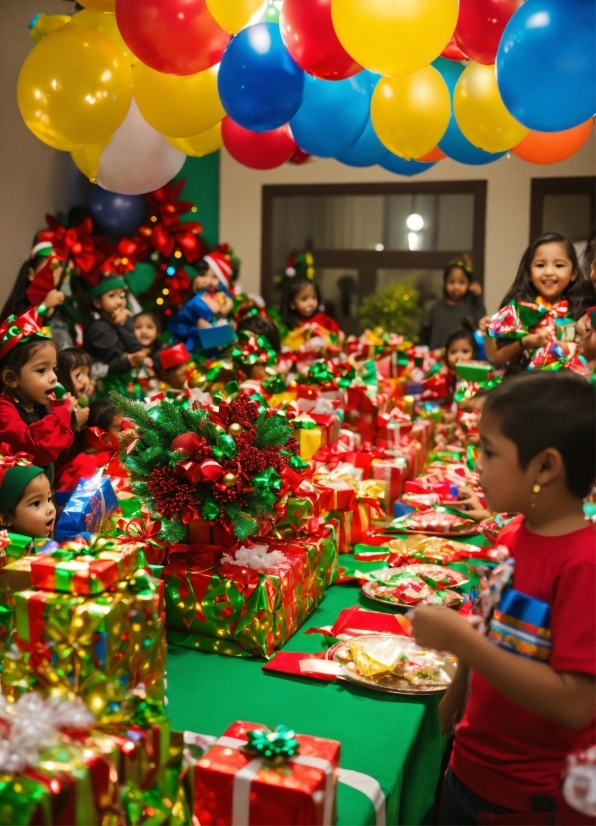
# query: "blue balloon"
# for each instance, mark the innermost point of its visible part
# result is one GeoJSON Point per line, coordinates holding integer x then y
{"type": "Point", "coordinates": [117, 214]}
{"type": "Point", "coordinates": [402, 167]}
{"type": "Point", "coordinates": [333, 115]}
{"type": "Point", "coordinates": [259, 84]}
{"type": "Point", "coordinates": [546, 64]}
{"type": "Point", "coordinates": [367, 151]}
{"type": "Point", "coordinates": [453, 143]}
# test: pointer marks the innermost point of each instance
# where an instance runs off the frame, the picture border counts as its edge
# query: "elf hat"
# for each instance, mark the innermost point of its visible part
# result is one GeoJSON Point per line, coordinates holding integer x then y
{"type": "Point", "coordinates": [18, 330]}
{"type": "Point", "coordinates": [221, 266]}
{"type": "Point", "coordinates": [16, 471]}
{"type": "Point", "coordinates": [173, 357]}
{"type": "Point", "coordinates": [105, 285]}
{"type": "Point", "coordinates": [41, 249]}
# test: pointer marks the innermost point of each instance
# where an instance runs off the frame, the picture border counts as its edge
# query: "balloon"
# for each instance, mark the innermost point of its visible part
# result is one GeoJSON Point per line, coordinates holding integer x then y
{"type": "Point", "coordinates": [410, 114]}
{"type": "Point", "coordinates": [233, 15]}
{"type": "Point", "coordinates": [104, 22]}
{"type": "Point", "coordinates": [258, 150]}
{"type": "Point", "coordinates": [310, 38]}
{"type": "Point", "coordinates": [367, 151]}
{"type": "Point", "coordinates": [177, 37]}
{"type": "Point", "coordinates": [453, 143]}
{"type": "Point", "coordinates": [480, 26]}
{"type": "Point", "coordinates": [141, 278]}
{"type": "Point", "coordinates": [178, 106]}
{"type": "Point", "coordinates": [394, 37]}
{"type": "Point", "coordinates": [86, 158]}
{"type": "Point", "coordinates": [98, 5]}
{"type": "Point", "coordinates": [402, 167]}
{"type": "Point", "coordinates": [552, 147]}
{"type": "Point", "coordinates": [199, 145]}
{"type": "Point", "coordinates": [452, 51]}
{"type": "Point", "coordinates": [433, 156]}
{"type": "Point", "coordinates": [546, 64]}
{"type": "Point", "coordinates": [260, 86]}
{"type": "Point", "coordinates": [481, 114]}
{"type": "Point", "coordinates": [117, 214]}
{"type": "Point", "coordinates": [299, 157]}
{"type": "Point", "coordinates": [333, 114]}
{"type": "Point", "coordinates": [138, 159]}
{"type": "Point", "coordinates": [74, 88]}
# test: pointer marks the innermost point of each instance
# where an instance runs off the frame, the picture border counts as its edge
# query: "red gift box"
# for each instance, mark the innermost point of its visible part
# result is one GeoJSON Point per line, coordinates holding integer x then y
{"type": "Point", "coordinates": [232, 786]}
{"type": "Point", "coordinates": [392, 471]}
{"type": "Point", "coordinates": [330, 426]}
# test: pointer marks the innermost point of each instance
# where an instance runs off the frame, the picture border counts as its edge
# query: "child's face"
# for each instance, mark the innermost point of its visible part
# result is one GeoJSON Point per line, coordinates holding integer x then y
{"type": "Point", "coordinates": [57, 268]}
{"type": "Point", "coordinates": [37, 380]}
{"type": "Point", "coordinates": [36, 512]}
{"type": "Point", "coordinates": [551, 270]}
{"type": "Point", "coordinates": [305, 303]}
{"type": "Point", "coordinates": [457, 284]}
{"type": "Point", "coordinates": [79, 378]}
{"type": "Point", "coordinates": [112, 301]}
{"type": "Point", "coordinates": [176, 376]}
{"type": "Point", "coordinates": [508, 488]}
{"type": "Point", "coordinates": [586, 338]}
{"type": "Point", "coordinates": [204, 281]}
{"type": "Point", "coordinates": [460, 350]}
{"type": "Point", "coordinates": [116, 427]}
{"type": "Point", "coordinates": [146, 330]}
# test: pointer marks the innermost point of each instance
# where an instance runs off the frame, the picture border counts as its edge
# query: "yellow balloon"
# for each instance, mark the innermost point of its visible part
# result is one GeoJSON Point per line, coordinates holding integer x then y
{"type": "Point", "coordinates": [104, 22]}
{"type": "Point", "coordinates": [87, 158]}
{"type": "Point", "coordinates": [178, 105]}
{"type": "Point", "coordinates": [410, 114]}
{"type": "Point", "coordinates": [199, 145]}
{"type": "Point", "coordinates": [481, 114]}
{"type": "Point", "coordinates": [233, 15]}
{"type": "Point", "coordinates": [99, 5]}
{"type": "Point", "coordinates": [394, 37]}
{"type": "Point", "coordinates": [44, 24]}
{"type": "Point", "coordinates": [74, 88]}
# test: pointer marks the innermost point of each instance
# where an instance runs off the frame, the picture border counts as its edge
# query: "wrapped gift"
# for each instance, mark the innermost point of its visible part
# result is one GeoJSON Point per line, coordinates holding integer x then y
{"type": "Point", "coordinates": [99, 647]}
{"type": "Point", "coordinates": [370, 505]}
{"type": "Point", "coordinates": [17, 547]}
{"type": "Point", "coordinates": [391, 471]}
{"type": "Point", "coordinates": [145, 531]}
{"type": "Point", "coordinates": [254, 776]}
{"type": "Point", "coordinates": [309, 435]}
{"type": "Point", "coordinates": [342, 520]}
{"type": "Point", "coordinates": [250, 602]}
{"type": "Point", "coordinates": [350, 439]}
{"type": "Point", "coordinates": [92, 502]}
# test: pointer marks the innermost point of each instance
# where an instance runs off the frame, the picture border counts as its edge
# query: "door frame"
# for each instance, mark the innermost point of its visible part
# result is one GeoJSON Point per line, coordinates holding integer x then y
{"type": "Point", "coordinates": [578, 185]}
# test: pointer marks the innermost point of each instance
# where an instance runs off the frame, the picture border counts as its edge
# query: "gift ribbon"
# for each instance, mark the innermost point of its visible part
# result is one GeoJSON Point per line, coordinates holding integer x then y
{"type": "Point", "coordinates": [368, 786]}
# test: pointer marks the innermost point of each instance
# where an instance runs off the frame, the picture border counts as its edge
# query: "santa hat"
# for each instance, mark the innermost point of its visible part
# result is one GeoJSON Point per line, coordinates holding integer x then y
{"type": "Point", "coordinates": [173, 357]}
{"type": "Point", "coordinates": [18, 330]}
{"type": "Point", "coordinates": [41, 249]}
{"type": "Point", "coordinates": [221, 266]}
{"type": "Point", "coordinates": [16, 471]}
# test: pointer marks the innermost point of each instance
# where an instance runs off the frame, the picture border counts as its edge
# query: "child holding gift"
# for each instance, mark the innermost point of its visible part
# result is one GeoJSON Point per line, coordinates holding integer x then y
{"type": "Point", "coordinates": [531, 698]}
{"type": "Point", "coordinates": [28, 420]}
{"type": "Point", "coordinates": [302, 306]}
{"type": "Point", "coordinates": [586, 337]}
{"type": "Point", "coordinates": [37, 282]}
{"type": "Point", "coordinates": [461, 302]}
{"type": "Point", "coordinates": [548, 276]}
{"type": "Point", "coordinates": [26, 504]}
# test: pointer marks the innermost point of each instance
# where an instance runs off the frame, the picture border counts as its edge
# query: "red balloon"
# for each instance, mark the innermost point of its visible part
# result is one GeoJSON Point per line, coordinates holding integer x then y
{"type": "Point", "coordinates": [433, 156]}
{"type": "Point", "coordinates": [177, 37]}
{"type": "Point", "coordinates": [552, 147]}
{"type": "Point", "coordinates": [480, 25]}
{"type": "Point", "coordinates": [310, 38]}
{"type": "Point", "coordinates": [452, 51]}
{"type": "Point", "coordinates": [300, 156]}
{"type": "Point", "coordinates": [258, 150]}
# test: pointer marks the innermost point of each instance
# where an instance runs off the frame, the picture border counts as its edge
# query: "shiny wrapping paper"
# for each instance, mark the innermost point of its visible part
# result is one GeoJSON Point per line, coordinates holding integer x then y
{"type": "Point", "coordinates": [99, 648]}
{"type": "Point", "coordinates": [231, 787]}
{"type": "Point", "coordinates": [330, 424]}
{"type": "Point", "coordinates": [392, 472]}
{"type": "Point", "coordinates": [92, 502]}
{"type": "Point", "coordinates": [236, 610]}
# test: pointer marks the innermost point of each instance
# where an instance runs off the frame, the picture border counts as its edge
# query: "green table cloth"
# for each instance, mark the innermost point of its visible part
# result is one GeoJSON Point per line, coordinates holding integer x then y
{"type": "Point", "coordinates": [392, 738]}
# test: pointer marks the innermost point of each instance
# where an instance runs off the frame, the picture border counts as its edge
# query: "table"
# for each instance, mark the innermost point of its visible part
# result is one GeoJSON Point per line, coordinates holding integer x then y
{"type": "Point", "coordinates": [394, 739]}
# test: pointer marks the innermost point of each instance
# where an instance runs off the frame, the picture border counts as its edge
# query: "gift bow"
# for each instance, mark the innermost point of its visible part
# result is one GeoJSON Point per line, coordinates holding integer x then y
{"type": "Point", "coordinates": [9, 460]}
{"type": "Point", "coordinates": [276, 744]}
{"type": "Point", "coordinates": [78, 244]}
{"type": "Point", "coordinates": [253, 349]}
{"type": "Point", "coordinates": [101, 440]}
{"type": "Point", "coordinates": [19, 328]}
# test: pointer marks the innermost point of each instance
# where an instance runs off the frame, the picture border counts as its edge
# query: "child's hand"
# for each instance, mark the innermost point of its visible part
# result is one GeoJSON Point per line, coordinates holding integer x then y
{"type": "Point", "coordinates": [437, 627]}
{"type": "Point", "coordinates": [53, 299]}
{"type": "Point", "coordinates": [536, 340]}
{"type": "Point", "coordinates": [71, 401]}
{"type": "Point", "coordinates": [136, 359]}
{"type": "Point", "coordinates": [81, 415]}
{"type": "Point", "coordinates": [120, 315]}
{"type": "Point", "coordinates": [471, 504]}
{"type": "Point", "coordinates": [483, 323]}
{"type": "Point", "coordinates": [475, 288]}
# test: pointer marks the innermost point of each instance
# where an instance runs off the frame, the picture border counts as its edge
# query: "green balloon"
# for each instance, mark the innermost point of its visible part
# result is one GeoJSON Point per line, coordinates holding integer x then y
{"type": "Point", "coordinates": [141, 279]}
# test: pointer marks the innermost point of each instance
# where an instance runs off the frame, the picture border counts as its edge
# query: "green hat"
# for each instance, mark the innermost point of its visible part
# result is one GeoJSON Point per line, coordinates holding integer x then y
{"type": "Point", "coordinates": [105, 287]}
{"type": "Point", "coordinates": [13, 482]}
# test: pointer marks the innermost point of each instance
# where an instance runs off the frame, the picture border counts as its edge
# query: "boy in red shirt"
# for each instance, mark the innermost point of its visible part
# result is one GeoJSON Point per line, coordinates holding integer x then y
{"type": "Point", "coordinates": [531, 692]}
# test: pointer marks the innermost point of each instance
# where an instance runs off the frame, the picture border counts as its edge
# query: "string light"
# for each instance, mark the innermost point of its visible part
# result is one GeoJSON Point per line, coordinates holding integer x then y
{"type": "Point", "coordinates": [177, 254]}
{"type": "Point", "coordinates": [159, 301]}
{"type": "Point", "coordinates": [166, 292]}
{"type": "Point", "coordinates": [171, 271]}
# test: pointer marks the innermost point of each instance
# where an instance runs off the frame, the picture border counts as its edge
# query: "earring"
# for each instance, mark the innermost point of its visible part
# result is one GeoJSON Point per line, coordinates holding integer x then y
{"type": "Point", "coordinates": [535, 491]}
{"type": "Point", "coordinates": [536, 488]}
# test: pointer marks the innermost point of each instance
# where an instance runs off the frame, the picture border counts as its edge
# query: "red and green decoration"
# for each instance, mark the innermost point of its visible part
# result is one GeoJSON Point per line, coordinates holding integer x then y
{"type": "Point", "coordinates": [233, 466]}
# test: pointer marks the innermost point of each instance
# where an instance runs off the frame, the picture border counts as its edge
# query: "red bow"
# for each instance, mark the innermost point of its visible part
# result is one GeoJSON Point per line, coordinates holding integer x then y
{"type": "Point", "coordinates": [78, 244]}
{"type": "Point", "coordinates": [9, 460]}
{"type": "Point", "coordinates": [208, 470]}
{"type": "Point", "coordinates": [15, 328]}
{"type": "Point", "coordinates": [168, 233]}
{"type": "Point", "coordinates": [101, 440]}
{"type": "Point", "coordinates": [125, 257]}
{"type": "Point", "coordinates": [178, 285]}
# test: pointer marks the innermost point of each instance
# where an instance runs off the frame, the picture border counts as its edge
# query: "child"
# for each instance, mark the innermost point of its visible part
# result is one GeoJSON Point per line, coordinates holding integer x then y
{"type": "Point", "coordinates": [26, 504]}
{"type": "Point", "coordinates": [209, 303]}
{"type": "Point", "coordinates": [94, 447]}
{"type": "Point", "coordinates": [28, 420]}
{"type": "Point", "coordinates": [172, 366]}
{"type": "Point", "coordinates": [302, 305]}
{"type": "Point", "coordinates": [110, 338]}
{"type": "Point", "coordinates": [74, 368]}
{"type": "Point", "coordinates": [586, 337]}
{"type": "Point", "coordinates": [259, 325]}
{"type": "Point", "coordinates": [462, 300]}
{"type": "Point", "coordinates": [548, 272]}
{"type": "Point", "coordinates": [147, 327]}
{"type": "Point", "coordinates": [460, 346]}
{"type": "Point", "coordinates": [37, 282]}
{"type": "Point", "coordinates": [531, 694]}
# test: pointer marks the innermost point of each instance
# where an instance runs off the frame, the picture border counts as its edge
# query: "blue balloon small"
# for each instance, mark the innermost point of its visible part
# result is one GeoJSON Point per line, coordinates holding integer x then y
{"type": "Point", "coordinates": [367, 151]}
{"type": "Point", "coordinates": [400, 166]}
{"type": "Point", "coordinates": [117, 214]}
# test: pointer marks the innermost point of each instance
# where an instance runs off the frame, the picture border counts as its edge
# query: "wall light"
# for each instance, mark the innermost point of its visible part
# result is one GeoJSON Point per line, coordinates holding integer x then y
{"type": "Point", "coordinates": [415, 222]}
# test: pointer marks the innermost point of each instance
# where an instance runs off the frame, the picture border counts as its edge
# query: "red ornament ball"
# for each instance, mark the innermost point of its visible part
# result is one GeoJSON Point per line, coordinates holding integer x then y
{"type": "Point", "coordinates": [185, 443]}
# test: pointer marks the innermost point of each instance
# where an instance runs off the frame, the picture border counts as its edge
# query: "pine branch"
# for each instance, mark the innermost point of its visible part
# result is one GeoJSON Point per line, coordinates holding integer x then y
{"type": "Point", "coordinates": [135, 411]}
{"type": "Point", "coordinates": [172, 531]}
{"type": "Point", "coordinates": [276, 430]}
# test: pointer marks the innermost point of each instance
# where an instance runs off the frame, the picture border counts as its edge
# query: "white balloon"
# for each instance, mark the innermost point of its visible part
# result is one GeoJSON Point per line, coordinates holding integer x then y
{"type": "Point", "coordinates": [138, 159]}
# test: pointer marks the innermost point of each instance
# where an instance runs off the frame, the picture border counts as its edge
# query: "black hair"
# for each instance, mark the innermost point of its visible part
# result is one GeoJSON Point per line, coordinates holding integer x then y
{"type": "Point", "coordinates": [18, 357]}
{"type": "Point", "coordinates": [462, 335]}
{"type": "Point", "coordinates": [101, 414]}
{"type": "Point", "coordinates": [17, 302]}
{"type": "Point", "coordinates": [259, 325]}
{"type": "Point", "coordinates": [556, 410]}
{"type": "Point", "coordinates": [291, 316]}
{"type": "Point", "coordinates": [68, 360]}
{"type": "Point", "coordinates": [154, 318]}
{"type": "Point", "coordinates": [456, 265]}
{"type": "Point", "coordinates": [522, 288]}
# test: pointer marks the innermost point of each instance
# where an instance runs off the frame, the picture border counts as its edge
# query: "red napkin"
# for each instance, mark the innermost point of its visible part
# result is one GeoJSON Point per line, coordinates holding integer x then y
{"type": "Point", "coordinates": [355, 621]}
{"type": "Point", "coordinates": [288, 662]}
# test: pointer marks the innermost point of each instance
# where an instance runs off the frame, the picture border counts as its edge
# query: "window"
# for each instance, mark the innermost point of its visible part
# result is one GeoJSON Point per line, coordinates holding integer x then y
{"type": "Point", "coordinates": [563, 205]}
{"type": "Point", "coordinates": [364, 236]}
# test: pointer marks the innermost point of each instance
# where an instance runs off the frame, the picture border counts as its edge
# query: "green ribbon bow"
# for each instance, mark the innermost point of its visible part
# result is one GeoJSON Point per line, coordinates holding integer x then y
{"type": "Point", "coordinates": [278, 744]}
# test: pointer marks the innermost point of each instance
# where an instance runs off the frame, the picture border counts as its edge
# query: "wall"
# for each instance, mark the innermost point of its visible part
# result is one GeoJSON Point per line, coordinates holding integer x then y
{"type": "Point", "coordinates": [507, 219]}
